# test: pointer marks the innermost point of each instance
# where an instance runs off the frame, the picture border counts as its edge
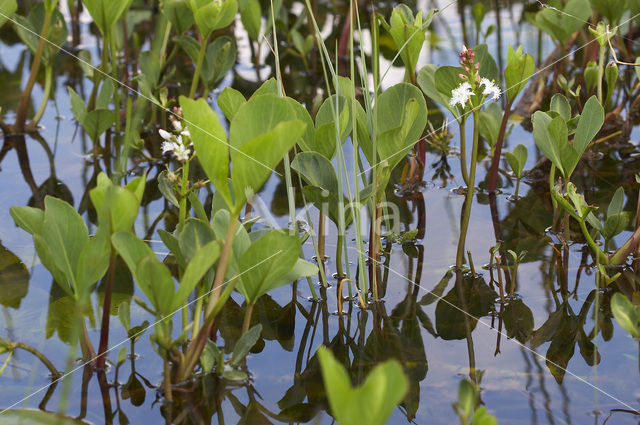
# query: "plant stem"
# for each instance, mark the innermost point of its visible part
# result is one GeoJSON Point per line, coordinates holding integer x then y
{"type": "Point", "coordinates": [106, 312]}
{"type": "Point", "coordinates": [196, 75]}
{"type": "Point", "coordinates": [339, 241]}
{"type": "Point", "coordinates": [601, 256]}
{"type": "Point", "coordinates": [167, 380]}
{"type": "Point", "coordinates": [470, 191]}
{"type": "Point", "coordinates": [517, 187]}
{"type": "Point", "coordinates": [223, 263]}
{"type": "Point", "coordinates": [183, 195]}
{"type": "Point", "coordinates": [114, 75]}
{"type": "Point", "coordinates": [493, 176]}
{"type": "Point", "coordinates": [197, 313]}
{"type": "Point", "coordinates": [247, 318]}
{"type": "Point", "coordinates": [38, 354]}
{"type": "Point", "coordinates": [600, 74]}
{"type": "Point", "coordinates": [513, 281]}
{"type": "Point", "coordinates": [23, 104]}
{"type": "Point", "coordinates": [321, 238]}
{"type": "Point", "coordinates": [463, 151]}
{"type": "Point", "coordinates": [623, 252]}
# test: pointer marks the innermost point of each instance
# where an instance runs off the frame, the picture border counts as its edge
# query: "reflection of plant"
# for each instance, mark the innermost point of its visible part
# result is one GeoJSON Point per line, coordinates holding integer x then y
{"type": "Point", "coordinates": [616, 220]}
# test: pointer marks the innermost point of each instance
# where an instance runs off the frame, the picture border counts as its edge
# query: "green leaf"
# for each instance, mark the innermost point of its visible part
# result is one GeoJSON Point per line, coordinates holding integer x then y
{"type": "Point", "coordinates": [591, 76]}
{"type": "Point", "coordinates": [266, 261]}
{"type": "Point", "coordinates": [209, 356]}
{"type": "Point", "coordinates": [178, 13]}
{"type": "Point", "coordinates": [210, 142]}
{"type": "Point", "coordinates": [244, 344]}
{"type": "Point", "coordinates": [93, 261]}
{"type": "Point", "coordinates": [97, 122]}
{"type": "Point", "coordinates": [7, 9]}
{"type": "Point", "coordinates": [215, 15]}
{"type": "Point", "coordinates": [611, 76]}
{"type": "Point", "coordinates": [151, 276]}
{"type": "Point", "coordinates": [105, 96]}
{"type": "Point", "coordinates": [615, 224]}
{"type": "Point", "coordinates": [229, 101]}
{"type": "Point", "coordinates": [306, 142]}
{"type": "Point", "coordinates": [371, 403]}
{"type": "Point", "coordinates": [195, 235]}
{"type": "Point", "coordinates": [105, 14]}
{"type": "Point", "coordinates": [200, 264]}
{"type": "Point", "coordinates": [490, 121]}
{"type": "Point", "coordinates": [220, 58]}
{"type": "Point", "coordinates": [517, 159]}
{"type": "Point", "coordinates": [190, 46]}
{"type": "Point", "coordinates": [116, 206]}
{"type": "Point", "coordinates": [65, 234]}
{"type": "Point", "coordinates": [544, 141]}
{"type": "Point", "coordinates": [590, 122]}
{"type": "Point", "coordinates": [560, 104]}
{"type": "Point", "coordinates": [316, 170]}
{"type": "Point", "coordinates": [28, 218]}
{"type": "Point", "coordinates": [251, 17]}
{"type": "Point", "coordinates": [626, 314]}
{"type": "Point", "coordinates": [391, 110]}
{"type": "Point", "coordinates": [258, 116]}
{"type": "Point", "coordinates": [256, 159]}
{"type": "Point", "coordinates": [427, 83]}
{"type": "Point", "coordinates": [408, 35]}
{"type": "Point", "coordinates": [519, 69]}
{"type": "Point", "coordinates": [610, 9]}
{"type": "Point", "coordinates": [78, 106]}
{"type": "Point", "coordinates": [124, 314]}
{"type": "Point", "coordinates": [167, 188]}
{"type": "Point", "coordinates": [395, 144]}
{"type": "Point", "coordinates": [617, 203]}
{"type": "Point", "coordinates": [466, 397]}
{"type": "Point", "coordinates": [482, 417]}
{"type": "Point", "coordinates": [488, 66]}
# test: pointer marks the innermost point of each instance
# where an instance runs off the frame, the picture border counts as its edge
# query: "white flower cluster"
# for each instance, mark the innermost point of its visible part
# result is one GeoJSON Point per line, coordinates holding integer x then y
{"type": "Point", "coordinates": [174, 144]}
{"type": "Point", "coordinates": [490, 89]}
{"type": "Point", "coordinates": [461, 94]}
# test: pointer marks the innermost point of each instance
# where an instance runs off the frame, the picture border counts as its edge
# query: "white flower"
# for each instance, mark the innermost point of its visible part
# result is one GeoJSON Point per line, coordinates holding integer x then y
{"type": "Point", "coordinates": [177, 149]}
{"type": "Point", "coordinates": [461, 94]}
{"type": "Point", "coordinates": [185, 132]}
{"type": "Point", "coordinates": [490, 89]}
{"type": "Point", "coordinates": [164, 134]}
{"type": "Point", "coordinates": [177, 125]}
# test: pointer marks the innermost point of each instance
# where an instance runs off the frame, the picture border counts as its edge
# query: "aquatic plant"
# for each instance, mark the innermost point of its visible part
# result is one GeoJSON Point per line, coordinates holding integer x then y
{"type": "Point", "coordinates": [372, 402]}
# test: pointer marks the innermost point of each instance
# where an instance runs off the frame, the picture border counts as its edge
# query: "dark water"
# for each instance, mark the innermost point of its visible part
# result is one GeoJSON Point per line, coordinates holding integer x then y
{"type": "Point", "coordinates": [285, 386]}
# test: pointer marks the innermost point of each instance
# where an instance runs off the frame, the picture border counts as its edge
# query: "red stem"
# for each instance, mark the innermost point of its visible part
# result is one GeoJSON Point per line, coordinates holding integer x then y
{"type": "Point", "coordinates": [493, 176]}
